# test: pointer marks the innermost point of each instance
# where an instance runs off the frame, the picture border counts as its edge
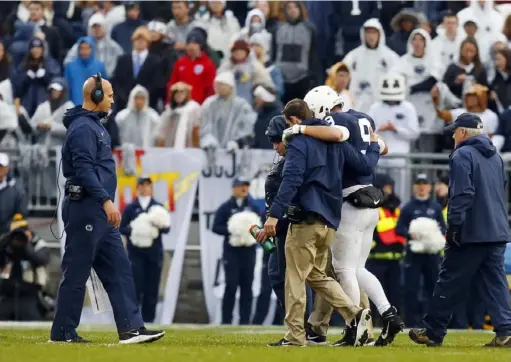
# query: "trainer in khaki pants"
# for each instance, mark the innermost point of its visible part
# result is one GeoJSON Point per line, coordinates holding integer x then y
{"type": "Point", "coordinates": [307, 253]}
{"type": "Point", "coordinates": [319, 320]}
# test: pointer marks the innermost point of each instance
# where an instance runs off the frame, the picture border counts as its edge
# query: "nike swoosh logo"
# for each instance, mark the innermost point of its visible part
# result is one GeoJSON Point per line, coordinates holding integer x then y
{"type": "Point", "coordinates": [313, 337]}
{"type": "Point", "coordinates": [135, 333]}
{"type": "Point", "coordinates": [377, 201]}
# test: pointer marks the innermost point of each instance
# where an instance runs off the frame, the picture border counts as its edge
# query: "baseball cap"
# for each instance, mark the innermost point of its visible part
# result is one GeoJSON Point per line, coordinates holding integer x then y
{"type": "Point", "coordinates": [57, 86]}
{"type": "Point", "coordinates": [239, 181]}
{"type": "Point", "coordinates": [144, 178]}
{"type": "Point", "coordinates": [421, 178]}
{"type": "Point", "coordinates": [4, 159]}
{"type": "Point", "coordinates": [466, 120]}
{"type": "Point", "coordinates": [97, 19]}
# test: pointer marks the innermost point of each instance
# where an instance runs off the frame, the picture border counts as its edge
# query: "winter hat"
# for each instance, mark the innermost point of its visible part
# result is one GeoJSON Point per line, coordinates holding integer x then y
{"type": "Point", "coordinates": [196, 35]}
{"type": "Point", "coordinates": [240, 45]}
{"type": "Point", "coordinates": [276, 128]}
{"type": "Point", "coordinates": [258, 39]}
{"type": "Point", "coordinates": [35, 42]}
{"type": "Point", "coordinates": [225, 78]}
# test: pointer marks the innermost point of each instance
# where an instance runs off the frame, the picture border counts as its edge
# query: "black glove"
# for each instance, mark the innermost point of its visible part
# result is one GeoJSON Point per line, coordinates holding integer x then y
{"type": "Point", "coordinates": [453, 235]}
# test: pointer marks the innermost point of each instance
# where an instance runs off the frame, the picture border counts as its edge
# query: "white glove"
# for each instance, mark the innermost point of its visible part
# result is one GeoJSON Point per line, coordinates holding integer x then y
{"type": "Point", "coordinates": [31, 74]}
{"type": "Point", "coordinates": [40, 72]}
{"type": "Point", "coordinates": [291, 131]}
{"type": "Point", "coordinates": [417, 247]}
{"type": "Point", "coordinates": [232, 146]}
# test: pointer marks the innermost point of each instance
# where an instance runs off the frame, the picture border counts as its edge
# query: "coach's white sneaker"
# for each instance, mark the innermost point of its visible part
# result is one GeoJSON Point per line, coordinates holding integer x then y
{"type": "Point", "coordinates": [141, 335]}
{"type": "Point", "coordinates": [361, 323]}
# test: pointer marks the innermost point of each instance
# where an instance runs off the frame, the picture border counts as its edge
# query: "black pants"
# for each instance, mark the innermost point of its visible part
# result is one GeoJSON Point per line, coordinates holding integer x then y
{"type": "Point", "coordinates": [25, 308]}
{"type": "Point", "coordinates": [263, 300]}
{"type": "Point", "coordinates": [297, 90]}
{"type": "Point", "coordinates": [388, 273]}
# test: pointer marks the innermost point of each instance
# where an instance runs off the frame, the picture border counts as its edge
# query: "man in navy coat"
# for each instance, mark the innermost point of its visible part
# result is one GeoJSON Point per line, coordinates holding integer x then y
{"type": "Point", "coordinates": [477, 233]}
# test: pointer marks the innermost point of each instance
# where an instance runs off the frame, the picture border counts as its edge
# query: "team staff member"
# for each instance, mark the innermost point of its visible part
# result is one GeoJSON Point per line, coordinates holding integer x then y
{"type": "Point", "coordinates": [311, 193]}
{"type": "Point", "coordinates": [146, 262]}
{"type": "Point", "coordinates": [277, 260]}
{"type": "Point", "coordinates": [419, 264]}
{"type": "Point", "coordinates": [477, 233]}
{"type": "Point", "coordinates": [239, 261]}
{"type": "Point", "coordinates": [92, 221]}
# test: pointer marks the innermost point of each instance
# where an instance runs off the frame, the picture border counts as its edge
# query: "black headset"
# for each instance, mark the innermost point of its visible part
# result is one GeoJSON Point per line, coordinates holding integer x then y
{"type": "Point", "coordinates": [97, 94]}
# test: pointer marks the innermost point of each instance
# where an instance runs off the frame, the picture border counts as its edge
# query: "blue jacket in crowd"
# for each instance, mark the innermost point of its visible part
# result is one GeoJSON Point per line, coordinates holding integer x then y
{"type": "Point", "coordinates": [86, 154]}
{"type": "Point", "coordinates": [312, 175]}
{"type": "Point", "coordinates": [416, 208]}
{"type": "Point", "coordinates": [477, 202]}
{"type": "Point", "coordinates": [226, 210]}
{"type": "Point", "coordinates": [78, 70]}
{"type": "Point", "coordinates": [130, 213]}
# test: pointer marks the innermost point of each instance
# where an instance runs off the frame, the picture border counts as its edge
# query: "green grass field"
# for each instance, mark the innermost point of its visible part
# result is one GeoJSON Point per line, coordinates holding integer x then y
{"type": "Point", "coordinates": [204, 344]}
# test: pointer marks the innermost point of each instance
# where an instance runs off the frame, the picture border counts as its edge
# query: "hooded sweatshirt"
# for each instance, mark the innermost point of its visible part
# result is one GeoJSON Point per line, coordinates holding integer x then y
{"type": "Point", "coordinates": [221, 31]}
{"type": "Point", "coordinates": [295, 49]}
{"type": "Point", "coordinates": [226, 119]}
{"type": "Point", "coordinates": [80, 69]}
{"type": "Point", "coordinates": [421, 75]}
{"type": "Point", "coordinates": [367, 66]}
{"type": "Point", "coordinates": [107, 51]}
{"type": "Point", "coordinates": [477, 187]}
{"type": "Point", "coordinates": [138, 127]}
{"type": "Point", "coordinates": [87, 159]}
{"type": "Point", "coordinates": [489, 22]}
{"type": "Point", "coordinates": [52, 111]}
{"type": "Point", "coordinates": [446, 49]}
{"type": "Point", "coordinates": [265, 37]}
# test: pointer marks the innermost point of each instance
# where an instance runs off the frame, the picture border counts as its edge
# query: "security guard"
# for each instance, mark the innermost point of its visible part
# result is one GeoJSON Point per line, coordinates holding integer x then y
{"type": "Point", "coordinates": [387, 251]}
{"type": "Point", "coordinates": [419, 264]}
{"type": "Point", "coordinates": [477, 234]}
{"type": "Point", "coordinates": [239, 261]}
{"type": "Point", "coordinates": [146, 262]}
{"type": "Point", "coordinates": [311, 195]}
{"type": "Point", "coordinates": [92, 220]}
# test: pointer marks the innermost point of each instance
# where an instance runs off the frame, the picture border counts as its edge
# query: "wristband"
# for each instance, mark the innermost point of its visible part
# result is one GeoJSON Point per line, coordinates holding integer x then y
{"type": "Point", "coordinates": [302, 129]}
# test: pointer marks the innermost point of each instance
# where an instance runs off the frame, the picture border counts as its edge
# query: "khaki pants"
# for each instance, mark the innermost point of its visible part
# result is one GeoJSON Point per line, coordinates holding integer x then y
{"type": "Point", "coordinates": [307, 255]}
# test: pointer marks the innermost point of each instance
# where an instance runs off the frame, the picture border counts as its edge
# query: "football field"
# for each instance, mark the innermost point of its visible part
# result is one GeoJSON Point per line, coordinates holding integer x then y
{"type": "Point", "coordinates": [238, 344]}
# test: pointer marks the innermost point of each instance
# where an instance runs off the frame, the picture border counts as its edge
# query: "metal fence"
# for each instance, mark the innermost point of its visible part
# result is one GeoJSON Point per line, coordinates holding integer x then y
{"type": "Point", "coordinates": [40, 184]}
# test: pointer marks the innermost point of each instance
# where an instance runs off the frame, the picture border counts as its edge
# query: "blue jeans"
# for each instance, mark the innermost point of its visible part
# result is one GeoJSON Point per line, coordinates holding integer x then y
{"type": "Point", "coordinates": [481, 266]}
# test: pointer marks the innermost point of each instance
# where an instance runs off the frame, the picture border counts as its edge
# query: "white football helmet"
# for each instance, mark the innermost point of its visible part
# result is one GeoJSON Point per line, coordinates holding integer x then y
{"type": "Point", "coordinates": [321, 100]}
{"type": "Point", "coordinates": [393, 87]}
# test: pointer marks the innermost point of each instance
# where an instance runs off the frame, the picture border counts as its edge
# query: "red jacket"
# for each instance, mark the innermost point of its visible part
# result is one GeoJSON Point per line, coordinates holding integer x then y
{"type": "Point", "coordinates": [199, 73]}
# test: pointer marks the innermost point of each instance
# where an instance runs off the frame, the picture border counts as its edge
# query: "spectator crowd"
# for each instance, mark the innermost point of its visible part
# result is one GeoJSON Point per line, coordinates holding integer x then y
{"type": "Point", "coordinates": [213, 73]}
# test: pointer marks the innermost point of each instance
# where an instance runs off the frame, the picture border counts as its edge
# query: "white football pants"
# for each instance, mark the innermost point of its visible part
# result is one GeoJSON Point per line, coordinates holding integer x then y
{"type": "Point", "coordinates": [350, 250]}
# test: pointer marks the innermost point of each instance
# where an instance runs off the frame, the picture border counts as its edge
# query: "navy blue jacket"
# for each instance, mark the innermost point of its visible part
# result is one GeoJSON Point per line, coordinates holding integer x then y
{"type": "Point", "coordinates": [416, 208]}
{"type": "Point", "coordinates": [129, 214]}
{"type": "Point", "coordinates": [505, 130]}
{"type": "Point", "coordinates": [87, 159]}
{"type": "Point", "coordinates": [224, 213]}
{"type": "Point", "coordinates": [477, 202]}
{"type": "Point", "coordinates": [312, 175]}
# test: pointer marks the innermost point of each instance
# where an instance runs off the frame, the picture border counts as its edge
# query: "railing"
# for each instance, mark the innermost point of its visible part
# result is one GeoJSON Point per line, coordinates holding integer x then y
{"type": "Point", "coordinates": [40, 185]}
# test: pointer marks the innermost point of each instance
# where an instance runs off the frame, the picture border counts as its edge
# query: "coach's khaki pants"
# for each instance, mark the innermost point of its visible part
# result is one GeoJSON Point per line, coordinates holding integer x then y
{"type": "Point", "coordinates": [307, 255]}
{"type": "Point", "coordinates": [321, 315]}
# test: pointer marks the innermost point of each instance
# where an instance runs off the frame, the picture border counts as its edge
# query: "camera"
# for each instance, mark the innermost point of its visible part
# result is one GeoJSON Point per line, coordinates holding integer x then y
{"type": "Point", "coordinates": [14, 242]}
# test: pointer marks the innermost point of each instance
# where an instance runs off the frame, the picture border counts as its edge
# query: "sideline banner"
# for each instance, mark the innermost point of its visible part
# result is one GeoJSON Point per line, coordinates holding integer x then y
{"type": "Point", "coordinates": [214, 189]}
{"type": "Point", "coordinates": [175, 174]}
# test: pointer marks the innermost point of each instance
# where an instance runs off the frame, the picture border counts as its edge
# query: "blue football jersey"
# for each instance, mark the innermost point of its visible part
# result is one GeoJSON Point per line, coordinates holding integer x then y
{"type": "Point", "coordinates": [360, 137]}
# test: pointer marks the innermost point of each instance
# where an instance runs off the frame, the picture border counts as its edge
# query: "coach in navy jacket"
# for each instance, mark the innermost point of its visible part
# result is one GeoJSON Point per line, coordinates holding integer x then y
{"type": "Point", "coordinates": [477, 233]}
